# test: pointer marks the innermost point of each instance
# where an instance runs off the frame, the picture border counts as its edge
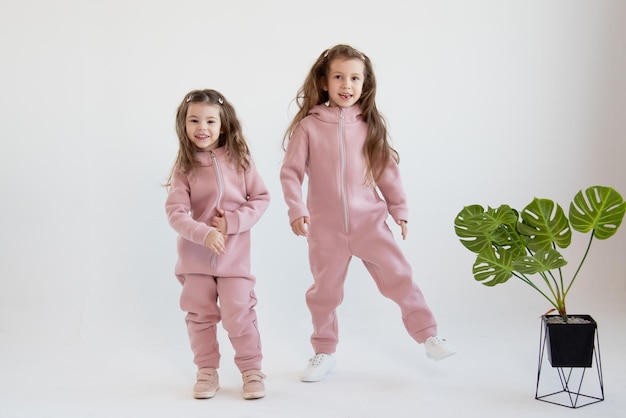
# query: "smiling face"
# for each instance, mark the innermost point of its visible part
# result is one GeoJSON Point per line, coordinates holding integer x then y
{"type": "Point", "coordinates": [203, 125]}
{"type": "Point", "coordinates": [344, 82]}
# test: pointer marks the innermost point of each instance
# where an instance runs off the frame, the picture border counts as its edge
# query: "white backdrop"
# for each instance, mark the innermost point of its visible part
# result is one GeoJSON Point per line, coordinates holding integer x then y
{"type": "Point", "coordinates": [487, 101]}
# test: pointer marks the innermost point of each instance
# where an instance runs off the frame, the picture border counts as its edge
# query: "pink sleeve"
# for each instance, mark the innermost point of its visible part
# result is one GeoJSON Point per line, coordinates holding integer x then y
{"type": "Point", "coordinates": [292, 174]}
{"type": "Point", "coordinates": [390, 185]}
{"type": "Point", "coordinates": [249, 213]}
{"type": "Point", "coordinates": [178, 207]}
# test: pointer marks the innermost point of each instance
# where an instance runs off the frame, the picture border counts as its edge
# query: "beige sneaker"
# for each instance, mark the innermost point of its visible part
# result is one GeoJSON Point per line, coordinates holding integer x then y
{"type": "Point", "coordinates": [208, 383]}
{"type": "Point", "coordinates": [253, 386]}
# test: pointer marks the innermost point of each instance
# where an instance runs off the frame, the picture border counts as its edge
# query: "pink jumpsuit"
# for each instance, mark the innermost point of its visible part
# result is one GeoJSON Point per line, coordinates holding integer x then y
{"type": "Point", "coordinates": [348, 218]}
{"type": "Point", "coordinates": [206, 277]}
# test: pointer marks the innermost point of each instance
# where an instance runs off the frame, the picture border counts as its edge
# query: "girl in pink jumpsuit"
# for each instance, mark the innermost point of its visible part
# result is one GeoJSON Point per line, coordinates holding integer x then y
{"type": "Point", "coordinates": [215, 196]}
{"type": "Point", "coordinates": [339, 141]}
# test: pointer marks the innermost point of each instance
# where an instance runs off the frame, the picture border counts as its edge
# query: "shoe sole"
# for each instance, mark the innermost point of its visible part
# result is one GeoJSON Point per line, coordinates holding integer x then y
{"type": "Point", "coordinates": [318, 378]}
{"type": "Point", "coordinates": [205, 395]}
{"type": "Point", "coordinates": [253, 395]}
{"type": "Point", "coordinates": [442, 357]}
{"type": "Point", "coordinates": [311, 380]}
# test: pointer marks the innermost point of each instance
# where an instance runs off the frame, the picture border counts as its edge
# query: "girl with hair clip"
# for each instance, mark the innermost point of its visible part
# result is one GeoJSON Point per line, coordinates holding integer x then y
{"type": "Point", "coordinates": [339, 140]}
{"type": "Point", "coordinates": [215, 196]}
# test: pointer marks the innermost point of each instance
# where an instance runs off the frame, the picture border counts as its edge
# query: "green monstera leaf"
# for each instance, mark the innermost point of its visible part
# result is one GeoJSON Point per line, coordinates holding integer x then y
{"type": "Point", "coordinates": [479, 229]}
{"type": "Point", "coordinates": [600, 209]}
{"type": "Point", "coordinates": [539, 262]}
{"type": "Point", "coordinates": [544, 223]}
{"type": "Point", "coordinates": [494, 265]}
{"type": "Point", "coordinates": [467, 231]}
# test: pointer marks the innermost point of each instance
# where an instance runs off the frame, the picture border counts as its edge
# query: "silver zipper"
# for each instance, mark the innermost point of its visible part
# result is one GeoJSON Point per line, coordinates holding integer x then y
{"type": "Point", "coordinates": [220, 195]}
{"type": "Point", "coordinates": [342, 147]}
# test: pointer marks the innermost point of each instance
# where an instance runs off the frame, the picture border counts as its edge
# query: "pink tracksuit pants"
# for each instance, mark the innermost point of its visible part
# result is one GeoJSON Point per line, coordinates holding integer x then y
{"type": "Point", "coordinates": [199, 298]}
{"type": "Point", "coordinates": [330, 253]}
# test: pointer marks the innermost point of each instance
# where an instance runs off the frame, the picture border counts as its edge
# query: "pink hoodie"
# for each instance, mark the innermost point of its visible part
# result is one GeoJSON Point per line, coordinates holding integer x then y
{"type": "Point", "coordinates": [327, 146]}
{"type": "Point", "coordinates": [191, 204]}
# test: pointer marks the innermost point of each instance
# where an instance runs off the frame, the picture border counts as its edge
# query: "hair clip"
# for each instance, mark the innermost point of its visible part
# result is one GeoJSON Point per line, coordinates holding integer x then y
{"type": "Point", "coordinates": [188, 99]}
{"type": "Point", "coordinates": [220, 100]}
{"type": "Point", "coordinates": [326, 53]}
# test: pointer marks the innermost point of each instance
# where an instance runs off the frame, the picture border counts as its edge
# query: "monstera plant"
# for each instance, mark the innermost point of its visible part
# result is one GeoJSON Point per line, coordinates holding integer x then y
{"type": "Point", "coordinates": [525, 244]}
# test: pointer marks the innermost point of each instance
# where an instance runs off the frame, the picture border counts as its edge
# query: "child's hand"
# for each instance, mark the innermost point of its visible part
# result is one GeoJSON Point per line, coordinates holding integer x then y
{"type": "Point", "coordinates": [300, 226]}
{"type": "Point", "coordinates": [215, 242]}
{"type": "Point", "coordinates": [219, 221]}
{"type": "Point", "coordinates": [405, 230]}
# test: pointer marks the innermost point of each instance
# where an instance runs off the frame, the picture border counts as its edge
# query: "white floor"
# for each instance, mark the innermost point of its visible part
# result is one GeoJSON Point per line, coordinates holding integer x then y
{"type": "Point", "coordinates": [380, 372]}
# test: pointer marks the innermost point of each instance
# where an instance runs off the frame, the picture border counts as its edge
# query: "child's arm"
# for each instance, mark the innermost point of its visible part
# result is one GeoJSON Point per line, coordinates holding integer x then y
{"type": "Point", "coordinates": [292, 175]}
{"type": "Point", "coordinates": [178, 208]}
{"type": "Point", "coordinates": [250, 212]}
{"type": "Point", "coordinates": [390, 185]}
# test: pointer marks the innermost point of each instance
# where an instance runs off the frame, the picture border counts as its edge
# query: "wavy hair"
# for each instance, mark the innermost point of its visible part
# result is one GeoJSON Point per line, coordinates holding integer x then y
{"type": "Point", "coordinates": [231, 138]}
{"type": "Point", "coordinates": [377, 149]}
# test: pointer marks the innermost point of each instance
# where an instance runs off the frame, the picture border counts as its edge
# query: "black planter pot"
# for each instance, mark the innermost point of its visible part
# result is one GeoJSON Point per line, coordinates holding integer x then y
{"type": "Point", "coordinates": [570, 345]}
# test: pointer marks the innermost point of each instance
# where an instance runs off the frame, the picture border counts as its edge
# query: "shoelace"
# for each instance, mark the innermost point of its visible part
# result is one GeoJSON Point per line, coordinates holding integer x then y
{"type": "Point", "coordinates": [316, 360]}
{"type": "Point", "coordinates": [436, 340]}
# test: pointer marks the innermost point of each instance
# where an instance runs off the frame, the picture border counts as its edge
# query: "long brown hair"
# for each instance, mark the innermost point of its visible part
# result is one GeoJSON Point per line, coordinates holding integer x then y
{"type": "Point", "coordinates": [231, 137]}
{"type": "Point", "coordinates": [377, 150]}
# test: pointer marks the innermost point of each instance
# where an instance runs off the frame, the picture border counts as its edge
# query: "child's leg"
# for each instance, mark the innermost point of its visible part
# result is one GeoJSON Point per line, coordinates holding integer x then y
{"type": "Point", "coordinates": [329, 266]}
{"type": "Point", "coordinates": [391, 271]}
{"type": "Point", "coordinates": [237, 302]}
{"type": "Point", "coordinates": [199, 299]}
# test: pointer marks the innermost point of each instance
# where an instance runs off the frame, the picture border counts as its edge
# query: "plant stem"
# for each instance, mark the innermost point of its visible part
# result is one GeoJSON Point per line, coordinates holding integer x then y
{"type": "Point", "coordinates": [557, 290]}
{"type": "Point", "coordinates": [529, 282]}
{"type": "Point", "coordinates": [593, 233]}
{"type": "Point", "coordinates": [562, 286]}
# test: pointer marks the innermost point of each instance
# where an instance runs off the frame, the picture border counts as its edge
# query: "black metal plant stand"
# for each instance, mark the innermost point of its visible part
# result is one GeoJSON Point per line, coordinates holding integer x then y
{"type": "Point", "coordinates": [568, 389]}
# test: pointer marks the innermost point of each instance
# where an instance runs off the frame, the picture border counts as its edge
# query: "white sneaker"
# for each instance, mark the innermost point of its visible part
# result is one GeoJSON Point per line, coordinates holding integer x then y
{"type": "Point", "coordinates": [318, 368]}
{"type": "Point", "coordinates": [438, 348]}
